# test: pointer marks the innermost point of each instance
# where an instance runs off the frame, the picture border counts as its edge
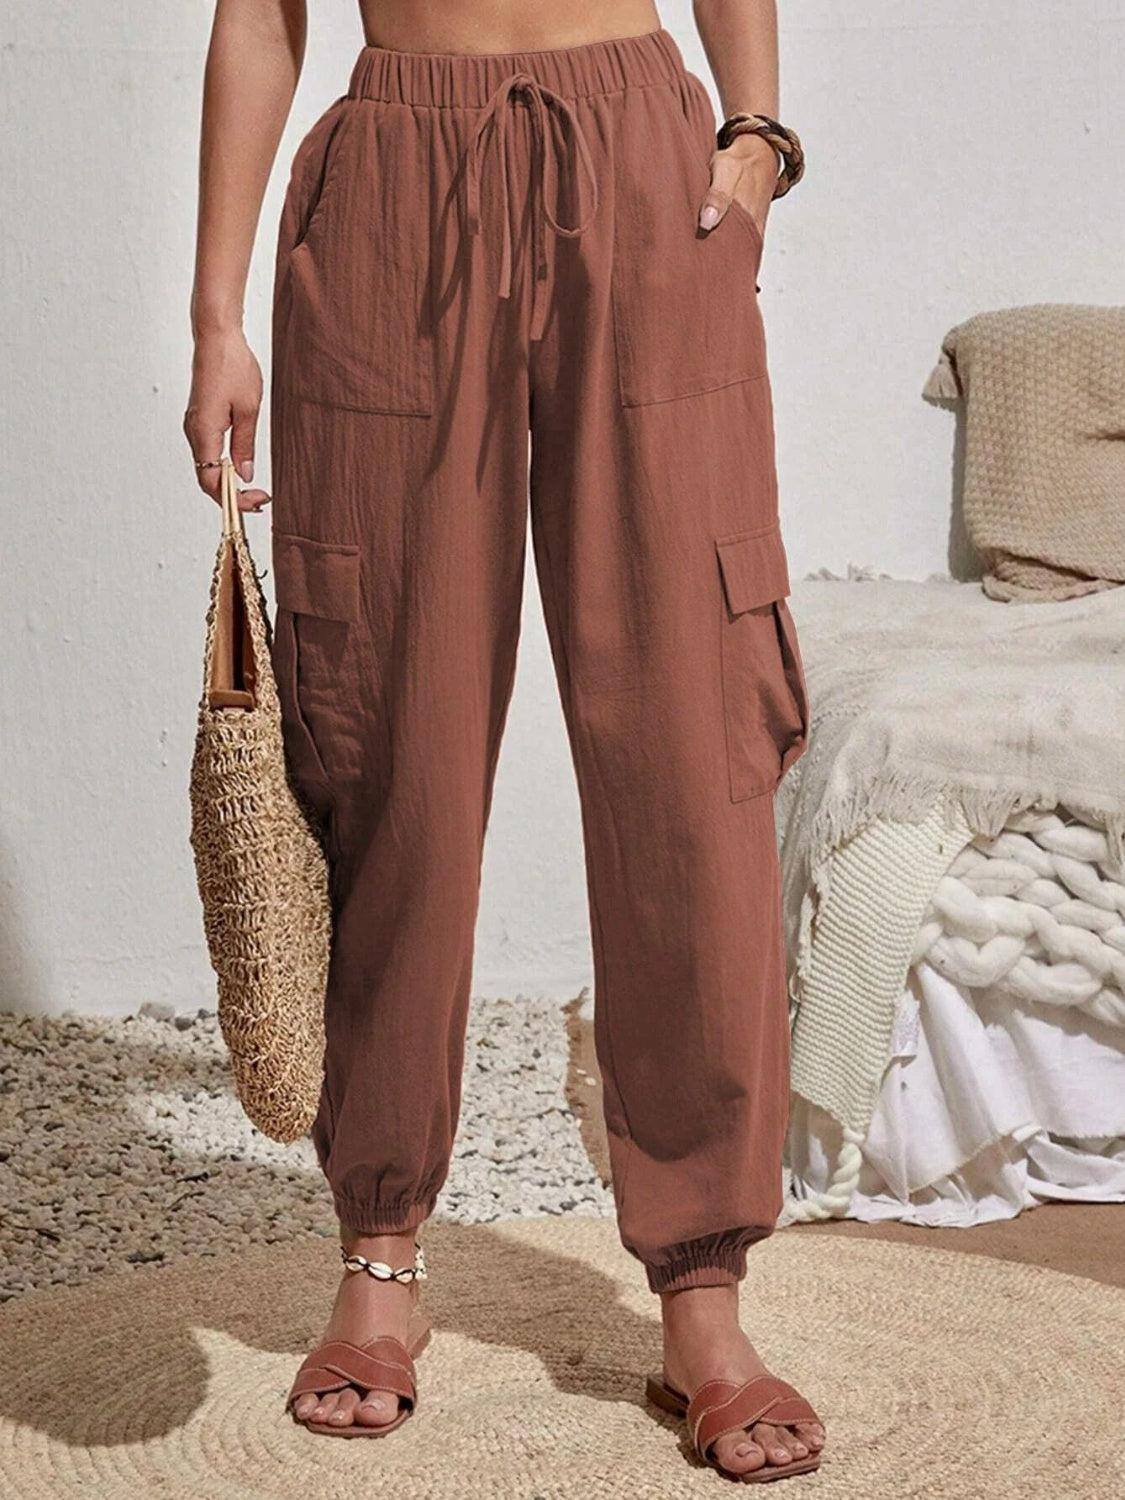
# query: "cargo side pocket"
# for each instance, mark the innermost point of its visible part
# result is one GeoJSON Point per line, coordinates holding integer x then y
{"type": "Point", "coordinates": [316, 662]}
{"type": "Point", "coordinates": [764, 697]}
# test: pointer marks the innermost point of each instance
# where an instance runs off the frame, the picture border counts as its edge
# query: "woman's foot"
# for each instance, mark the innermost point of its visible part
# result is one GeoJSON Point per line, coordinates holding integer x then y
{"type": "Point", "coordinates": [703, 1341]}
{"type": "Point", "coordinates": [366, 1309]}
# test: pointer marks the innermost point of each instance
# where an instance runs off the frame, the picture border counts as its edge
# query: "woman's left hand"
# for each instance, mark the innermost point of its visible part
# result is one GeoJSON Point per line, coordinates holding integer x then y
{"type": "Point", "coordinates": [746, 170]}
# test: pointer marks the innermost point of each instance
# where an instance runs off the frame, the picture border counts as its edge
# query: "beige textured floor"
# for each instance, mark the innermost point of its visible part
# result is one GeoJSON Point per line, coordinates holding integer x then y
{"type": "Point", "coordinates": [944, 1377]}
{"type": "Point", "coordinates": [531, 1386]}
{"type": "Point", "coordinates": [1084, 1239]}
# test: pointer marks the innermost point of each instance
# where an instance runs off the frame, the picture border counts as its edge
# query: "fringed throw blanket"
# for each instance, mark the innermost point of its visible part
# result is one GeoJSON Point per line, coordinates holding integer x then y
{"type": "Point", "coordinates": [933, 707]}
{"type": "Point", "coordinates": [1044, 392]}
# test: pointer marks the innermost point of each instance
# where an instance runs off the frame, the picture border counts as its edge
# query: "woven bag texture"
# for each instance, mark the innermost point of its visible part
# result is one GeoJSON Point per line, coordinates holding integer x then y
{"type": "Point", "coordinates": [263, 882]}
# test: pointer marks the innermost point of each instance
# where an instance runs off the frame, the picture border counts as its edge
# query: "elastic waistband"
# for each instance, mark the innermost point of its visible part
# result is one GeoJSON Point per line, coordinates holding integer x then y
{"type": "Point", "coordinates": [468, 81]}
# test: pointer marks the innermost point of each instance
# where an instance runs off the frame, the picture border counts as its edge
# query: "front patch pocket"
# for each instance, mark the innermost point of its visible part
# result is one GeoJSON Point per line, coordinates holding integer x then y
{"type": "Point", "coordinates": [685, 307]}
{"type": "Point", "coordinates": [354, 330]}
{"type": "Point", "coordinates": [317, 661]}
{"type": "Point", "coordinates": [764, 696]}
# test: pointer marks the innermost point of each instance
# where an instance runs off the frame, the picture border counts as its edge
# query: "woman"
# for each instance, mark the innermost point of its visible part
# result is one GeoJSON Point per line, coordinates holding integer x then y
{"type": "Point", "coordinates": [514, 223]}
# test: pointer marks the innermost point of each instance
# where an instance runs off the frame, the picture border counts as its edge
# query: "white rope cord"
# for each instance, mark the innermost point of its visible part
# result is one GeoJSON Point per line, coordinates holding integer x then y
{"type": "Point", "coordinates": [1038, 913]}
{"type": "Point", "coordinates": [832, 1202]}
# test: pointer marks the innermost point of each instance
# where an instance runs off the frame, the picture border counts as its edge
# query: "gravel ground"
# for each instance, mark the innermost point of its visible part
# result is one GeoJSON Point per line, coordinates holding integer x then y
{"type": "Point", "coordinates": [122, 1143]}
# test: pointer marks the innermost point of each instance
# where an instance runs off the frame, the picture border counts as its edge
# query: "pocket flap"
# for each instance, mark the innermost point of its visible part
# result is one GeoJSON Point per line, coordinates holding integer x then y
{"type": "Point", "coordinates": [754, 569]}
{"type": "Point", "coordinates": [316, 578]}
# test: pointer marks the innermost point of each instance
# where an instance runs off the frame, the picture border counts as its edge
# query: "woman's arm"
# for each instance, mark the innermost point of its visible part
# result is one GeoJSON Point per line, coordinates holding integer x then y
{"type": "Point", "coordinates": [740, 40]}
{"type": "Point", "coordinates": [254, 62]}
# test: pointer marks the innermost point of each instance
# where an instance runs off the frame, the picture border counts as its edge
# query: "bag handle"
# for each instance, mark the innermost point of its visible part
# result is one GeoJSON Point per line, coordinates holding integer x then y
{"type": "Point", "coordinates": [231, 672]}
{"type": "Point", "coordinates": [232, 515]}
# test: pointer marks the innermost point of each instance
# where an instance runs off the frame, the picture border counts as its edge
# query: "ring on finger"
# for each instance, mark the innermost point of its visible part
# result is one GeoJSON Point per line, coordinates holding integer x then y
{"type": "Point", "coordinates": [210, 463]}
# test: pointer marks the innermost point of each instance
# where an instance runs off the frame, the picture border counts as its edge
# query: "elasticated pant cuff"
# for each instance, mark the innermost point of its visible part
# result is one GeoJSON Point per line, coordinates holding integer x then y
{"type": "Point", "coordinates": [699, 1268]}
{"type": "Point", "coordinates": [382, 1218]}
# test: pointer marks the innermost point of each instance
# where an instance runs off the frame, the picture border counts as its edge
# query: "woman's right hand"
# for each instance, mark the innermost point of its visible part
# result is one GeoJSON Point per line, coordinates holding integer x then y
{"type": "Point", "coordinates": [226, 393]}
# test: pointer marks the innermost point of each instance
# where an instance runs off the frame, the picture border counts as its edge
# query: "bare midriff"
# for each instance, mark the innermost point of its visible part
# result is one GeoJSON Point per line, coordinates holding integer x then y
{"type": "Point", "coordinates": [483, 26]}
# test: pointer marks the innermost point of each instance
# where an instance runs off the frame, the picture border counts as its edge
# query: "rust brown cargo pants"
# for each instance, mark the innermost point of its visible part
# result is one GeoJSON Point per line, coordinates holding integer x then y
{"type": "Point", "coordinates": [474, 249]}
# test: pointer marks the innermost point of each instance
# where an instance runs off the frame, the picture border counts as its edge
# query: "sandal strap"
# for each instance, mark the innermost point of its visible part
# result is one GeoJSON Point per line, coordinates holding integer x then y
{"type": "Point", "coordinates": [381, 1365]}
{"type": "Point", "coordinates": [720, 1407]}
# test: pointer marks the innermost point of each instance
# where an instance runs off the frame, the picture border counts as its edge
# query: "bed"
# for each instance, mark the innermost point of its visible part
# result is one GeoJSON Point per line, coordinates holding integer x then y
{"type": "Point", "coordinates": [953, 857]}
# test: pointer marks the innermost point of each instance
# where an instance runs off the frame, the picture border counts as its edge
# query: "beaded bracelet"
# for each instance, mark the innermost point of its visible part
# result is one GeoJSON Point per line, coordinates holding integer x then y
{"type": "Point", "coordinates": [784, 141]}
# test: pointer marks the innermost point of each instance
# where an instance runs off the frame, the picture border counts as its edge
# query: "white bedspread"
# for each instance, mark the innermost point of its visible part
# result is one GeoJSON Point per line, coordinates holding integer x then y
{"type": "Point", "coordinates": [988, 1107]}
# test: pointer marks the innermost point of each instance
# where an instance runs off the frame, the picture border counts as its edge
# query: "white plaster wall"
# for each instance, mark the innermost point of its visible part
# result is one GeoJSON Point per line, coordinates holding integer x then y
{"type": "Point", "coordinates": [963, 156]}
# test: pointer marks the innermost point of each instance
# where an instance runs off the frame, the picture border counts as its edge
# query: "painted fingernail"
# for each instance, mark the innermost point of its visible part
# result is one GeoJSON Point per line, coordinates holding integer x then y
{"type": "Point", "coordinates": [246, 470]}
{"type": "Point", "coordinates": [708, 216]}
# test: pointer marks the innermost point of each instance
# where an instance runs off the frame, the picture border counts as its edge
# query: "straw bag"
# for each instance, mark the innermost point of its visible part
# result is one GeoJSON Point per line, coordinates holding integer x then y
{"type": "Point", "coordinates": [261, 870]}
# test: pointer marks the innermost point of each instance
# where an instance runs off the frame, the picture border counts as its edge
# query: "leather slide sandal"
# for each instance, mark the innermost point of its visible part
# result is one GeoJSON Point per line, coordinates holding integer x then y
{"type": "Point", "coordinates": [382, 1364]}
{"type": "Point", "coordinates": [720, 1407]}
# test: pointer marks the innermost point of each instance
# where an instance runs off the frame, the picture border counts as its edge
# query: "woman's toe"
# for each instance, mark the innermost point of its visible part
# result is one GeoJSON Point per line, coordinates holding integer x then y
{"type": "Point", "coordinates": [346, 1403]}
{"type": "Point", "coordinates": [304, 1406]}
{"type": "Point", "coordinates": [811, 1434]}
{"type": "Point", "coordinates": [773, 1441]}
{"type": "Point", "coordinates": [796, 1444]}
{"type": "Point", "coordinates": [325, 1407]}
{"type": "Point", "coordinates": [737, 1454]}
{"type": "Point", "coordinates": [377, 1409]}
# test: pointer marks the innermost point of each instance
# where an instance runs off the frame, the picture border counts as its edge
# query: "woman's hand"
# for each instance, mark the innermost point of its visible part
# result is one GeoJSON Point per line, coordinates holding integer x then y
{"type": "Point", "coordinates": [226, 392]}
{"type": "Point", "coordinates": [746, 170]}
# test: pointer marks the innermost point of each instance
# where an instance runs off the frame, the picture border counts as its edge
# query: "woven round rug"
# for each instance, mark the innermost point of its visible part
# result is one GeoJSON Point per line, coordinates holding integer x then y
{"type": "Point", "coordinates": [938, 1374]}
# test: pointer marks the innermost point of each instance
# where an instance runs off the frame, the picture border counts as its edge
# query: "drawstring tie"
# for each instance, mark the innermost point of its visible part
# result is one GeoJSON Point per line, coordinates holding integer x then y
{"type": "Point", "coordinates": [541, 101]}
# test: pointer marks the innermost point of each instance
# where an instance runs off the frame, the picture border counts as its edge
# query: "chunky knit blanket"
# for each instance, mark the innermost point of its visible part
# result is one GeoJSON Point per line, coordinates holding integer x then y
{"type": "Point", "coordinates": [1044, 496]}
{"type": "Point", "coordinates": [1037, 914]}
